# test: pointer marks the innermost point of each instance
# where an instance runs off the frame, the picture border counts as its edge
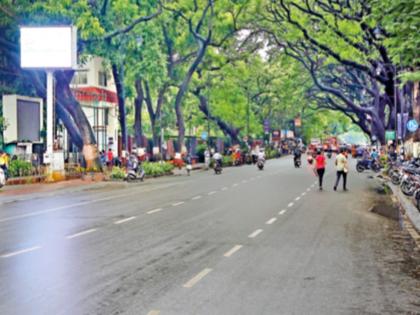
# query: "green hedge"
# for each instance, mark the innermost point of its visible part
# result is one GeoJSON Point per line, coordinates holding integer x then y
{"type": "Point", "coordinates": [157, 168]}
{"type": "Point", "coordinates": [117, 173]}
{"type": "Point", "coordinates": [18, 168]}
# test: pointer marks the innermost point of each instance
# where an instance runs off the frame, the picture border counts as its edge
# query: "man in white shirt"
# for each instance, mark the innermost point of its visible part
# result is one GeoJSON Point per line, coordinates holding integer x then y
{"type": "Point", "coordinates": [342, 169]}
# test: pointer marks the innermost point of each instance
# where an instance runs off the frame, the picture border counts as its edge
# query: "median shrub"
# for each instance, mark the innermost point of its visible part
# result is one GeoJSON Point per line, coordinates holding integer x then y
{"type": "Point", "coordinates": [157, 168]}
{"type": "Point", "coordinates": [18, 168]}
{"type": "Point", "coordinates": [117, 173]}
{"type": "Point", "coordinates": [227, 161]}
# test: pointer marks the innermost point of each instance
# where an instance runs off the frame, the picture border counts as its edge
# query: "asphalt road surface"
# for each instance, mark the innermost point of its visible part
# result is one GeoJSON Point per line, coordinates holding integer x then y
{"type": "Point", "coordinates": [245, 242]}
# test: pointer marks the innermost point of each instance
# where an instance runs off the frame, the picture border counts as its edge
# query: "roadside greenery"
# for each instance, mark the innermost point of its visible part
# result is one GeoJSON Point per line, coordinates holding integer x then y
{"type": "Point", "coordinates": [18, 168]}
{"type": "Point", "coordinates": [157, 169]}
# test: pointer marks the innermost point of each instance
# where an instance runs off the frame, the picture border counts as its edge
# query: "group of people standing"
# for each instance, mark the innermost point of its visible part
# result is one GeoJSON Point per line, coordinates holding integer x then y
{"type": "Point", "coordinates": [319, 164]}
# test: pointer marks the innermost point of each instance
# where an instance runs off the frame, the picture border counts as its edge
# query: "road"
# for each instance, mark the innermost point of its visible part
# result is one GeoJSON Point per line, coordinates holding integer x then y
{"type": "Point", "coordinates": [244, 242]}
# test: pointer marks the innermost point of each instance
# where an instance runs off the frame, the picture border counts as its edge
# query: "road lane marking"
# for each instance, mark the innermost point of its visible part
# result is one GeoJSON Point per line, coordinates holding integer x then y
{"type": "Point", "coordinates": [290, 204]}
{"type": "Point", "coordinates": [271, 221]}
{"type": "Point", "coordinates": [212, 193]}
{"type": "Point", "coordinates": [255, 233]}
{"type": "Point", "coordinates": [234, 185]}
{"type": "Point", "coordinates": [176, 204]}
{"type": "Point", "coordinates": [124, 220]}
{"type": "Point", "coordinates": [303, 194]}
{"type": "Point", "coordinates": [197, 278]}
{"type": "Point", "coordinates": [282, 211]}
{"type": "Point", "coordinates": [297, 198]}
{"type": "Point", "coordinates": [154, 312]}
{"type": "Point", "coordinates": [244, 181]}
{"type": "Point", "coordinates": [196, 197]}
{"type": "Point", "coordinates": [69, 237]}
{"type": "Point", "coordinates": [224, 188]}
{"type": "Point", "coordinates": [22, 251]}
{"type": "Point", "coordinates": [154, 211]}
{"type": "Point", "coordinates": [233, 250]}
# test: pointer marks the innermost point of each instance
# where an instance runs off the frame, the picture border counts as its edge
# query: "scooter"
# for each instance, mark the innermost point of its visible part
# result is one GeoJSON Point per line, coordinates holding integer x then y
{"type": "Point", "coordinates": [2, 178]}
{"type": "Point", "coordinates": [135, 171]}
{"type": "Point", "coordinates": [298, 162]}
{"type": "Point", "coordinates": [218, 167]}
{"type": "Point", "coordinates": [329, 154]}
{"type": "Point", "coordinates": [189, 169]}
{"type": "Point", "coordinates": [368, 164]}
{"type": "Point", "coordinates": [260, 164]}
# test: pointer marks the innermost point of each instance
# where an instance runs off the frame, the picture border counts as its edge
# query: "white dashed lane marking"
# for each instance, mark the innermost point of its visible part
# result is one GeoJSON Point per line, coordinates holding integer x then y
{"type": "Point", "coordinates": [282, 211]}
{"type": "Point", "coordinates": [233, 250]}
{"type": "Point", "coordinates": [297, 198]}
{"type": "Point", "coordinates": [22, 251]}
{"type": "Point", "coordinates": [212, 193]}
{"type": "Point", "coordinates": [124, 220]}
{"type": "Point", "coordinates": [290, 204]}
{"type": "Point", "coordinates": [271, 221]}
{"type": "Point", "coordinates": [176, 204]}
{"type": "Point", "coordinates": [80, 234]}
{"type": "Point", "coordinates": [224, 188]}
{"type": "Point", "coordinates": [196, 198]}
{"type": "Point", "coordinates": [154, 312]}
{"type": "Point", "coordinates": [197, 278]}
{"type": "Point", "coordinates": [154, 211]}
{"type": "Point", "coordinates": [255, 233]}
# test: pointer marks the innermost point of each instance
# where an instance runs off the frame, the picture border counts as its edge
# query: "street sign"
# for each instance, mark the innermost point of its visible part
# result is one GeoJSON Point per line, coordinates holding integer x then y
{"type": "Point", "coordinates": [412, 125]}
{"type": "Point", "coordinates": [204, 135]}
{"type": "Point", "coordinates": [266, 125]}
{"type": "Point", "coordinates": [389, 135]}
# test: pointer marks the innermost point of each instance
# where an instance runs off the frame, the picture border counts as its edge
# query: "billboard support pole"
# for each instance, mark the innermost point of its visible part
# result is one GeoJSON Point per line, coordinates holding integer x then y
{"type": "Point", "coordinates": [50, 114]}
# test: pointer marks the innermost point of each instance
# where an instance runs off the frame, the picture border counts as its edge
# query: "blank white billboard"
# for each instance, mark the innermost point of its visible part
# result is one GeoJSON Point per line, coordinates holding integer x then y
{"type": "Point", "coordinates": [48, 47]}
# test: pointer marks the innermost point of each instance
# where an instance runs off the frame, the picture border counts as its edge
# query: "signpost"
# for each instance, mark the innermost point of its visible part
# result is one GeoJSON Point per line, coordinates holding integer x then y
{"type": "Point", "coordinates": [389, 135]}
{"type": "Point", "coordinates": [49, 48]}
{"type": "Point", "coordinates": [412, 125]}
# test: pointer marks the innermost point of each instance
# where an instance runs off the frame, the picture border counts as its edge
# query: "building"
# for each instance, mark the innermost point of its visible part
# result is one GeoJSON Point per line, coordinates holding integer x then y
{"type": "Point", "coordinates": [94, 88]}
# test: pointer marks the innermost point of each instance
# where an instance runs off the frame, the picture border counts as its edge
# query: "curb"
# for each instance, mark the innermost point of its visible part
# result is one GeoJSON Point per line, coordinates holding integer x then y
{"type": "Point", "coordinates": [408, 208]}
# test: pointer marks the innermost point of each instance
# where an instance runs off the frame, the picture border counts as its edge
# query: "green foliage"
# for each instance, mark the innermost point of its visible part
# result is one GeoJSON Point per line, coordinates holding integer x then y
{"type": "Point", "coordinates": [117, 173]}
{"type": "Point", "coordinates": [227, 161]}
{"type": "Point", "coordinates": [157, 168]}
{"type": "Point", "coordinates": [19, 168]}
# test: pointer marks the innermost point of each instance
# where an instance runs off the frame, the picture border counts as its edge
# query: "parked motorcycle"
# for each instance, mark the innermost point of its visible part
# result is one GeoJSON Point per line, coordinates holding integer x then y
{"type": "Point", "coordinates": [298, 162]}
{"type": "Point", "coordinates": [2, 178]}
{"type": "Point", "coordinates": [363, 165]}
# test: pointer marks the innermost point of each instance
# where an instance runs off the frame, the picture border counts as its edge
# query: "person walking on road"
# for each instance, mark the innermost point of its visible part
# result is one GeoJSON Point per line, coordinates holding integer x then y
{"type": "Point", "coordinates": [320, 163]}
{"type": "Point", "coordinates": [342, 169]}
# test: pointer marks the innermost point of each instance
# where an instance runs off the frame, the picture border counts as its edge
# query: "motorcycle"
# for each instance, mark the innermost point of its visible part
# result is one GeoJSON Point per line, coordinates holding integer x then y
{"type": "Point", "coordinates": [329, 154]}
{"type": "Point", "coordinates": [2, 178]}
{"type": "Point", "coordinates": [298, 162]}
{"type": "Point", "coordinates": [363, 165]}
{"type": "Point", "coordinates": [260, 164]}
{"type": "Point", "coordinates": [135, 171]}
{"type": "Point", "coordinates": [218, 167]}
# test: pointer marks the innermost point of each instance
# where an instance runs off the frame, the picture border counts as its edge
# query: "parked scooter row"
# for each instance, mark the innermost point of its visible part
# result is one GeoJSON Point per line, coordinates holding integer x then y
{"type": "Point", "coordinates": [407, 176]}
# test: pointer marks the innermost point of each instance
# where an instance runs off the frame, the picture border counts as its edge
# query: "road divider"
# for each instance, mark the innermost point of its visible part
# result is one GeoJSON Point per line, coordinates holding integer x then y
{"type": "Point", "coordinates": [197, 278]}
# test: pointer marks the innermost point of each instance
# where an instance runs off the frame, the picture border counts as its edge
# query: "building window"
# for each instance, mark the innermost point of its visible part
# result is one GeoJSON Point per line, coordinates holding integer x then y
{"type": "Point", "coordinates": [80, 78]}
{"type": "Point", "coordinates": [106, 117]}
{"type": "Point", "coordinates": [102, 79]}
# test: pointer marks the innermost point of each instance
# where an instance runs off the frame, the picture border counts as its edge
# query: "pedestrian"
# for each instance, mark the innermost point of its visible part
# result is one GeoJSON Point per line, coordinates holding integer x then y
{"type": "Point", "coordinates": [320, 164]}
{"type": "Point", "coordinates": [4, 163]}
{"type": "Point", "coordinates": [110, 159]}
{"type": "Point", "coordinates": [342, 169]}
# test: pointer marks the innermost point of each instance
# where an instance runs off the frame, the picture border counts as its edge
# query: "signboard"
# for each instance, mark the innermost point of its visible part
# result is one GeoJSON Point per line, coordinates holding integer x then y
{"type": "Point", "coordinates": [298, 122]}
{"type": "Point", "coordinates": [290, 134]}
{"type": "Point", "coordinates": [266, 125]}
{"type": "Point", "coordinates": [204, 135]}
{"type": "Point", "coordinates": [52, 47]}
{"type": "Point", "coordinates": [412, 125]}
{"type": "Point", "coordinates": [389, 135]}
{"type": "Point", "coordinates": [275, 137]}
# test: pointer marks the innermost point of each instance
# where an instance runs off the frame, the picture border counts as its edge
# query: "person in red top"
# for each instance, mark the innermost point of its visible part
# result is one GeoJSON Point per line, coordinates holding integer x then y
{"type": "Point", "coordinates": [320, 163]}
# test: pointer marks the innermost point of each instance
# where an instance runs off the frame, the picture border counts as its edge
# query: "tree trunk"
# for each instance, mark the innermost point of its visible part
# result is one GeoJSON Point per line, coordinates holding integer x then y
{"type": "Point", "coordinates": [227, 129]}
{"type": "Point", "coordinates": [118, 73]}
{"type": "Point", "coordinates": [138, 105]}
{"type": "Point", "coordinates": [152, 114]}
{"type": "Point", "coordinates": [74, 119]}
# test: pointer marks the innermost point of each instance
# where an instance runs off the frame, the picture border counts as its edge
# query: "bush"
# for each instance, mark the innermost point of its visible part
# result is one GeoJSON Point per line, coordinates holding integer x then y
{"type": "Point", "coordinates": [117, 173]}
{"type": "Point", "coordinates": [227, 161]}
{"type": "Point", "coordinates": [19, 168]}
{"type": "Point", "coordinates": [157, 168]}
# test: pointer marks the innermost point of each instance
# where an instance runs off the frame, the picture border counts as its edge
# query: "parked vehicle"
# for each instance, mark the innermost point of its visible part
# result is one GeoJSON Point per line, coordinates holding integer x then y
{"type": "Point", "coordinates": [260, 164]}
{"type": "Point", "coordinates": [2, 178]}
{"type": "Point", "coordinates": [218, 167]}
{"type": "Point", "coordinates": [368, 164]}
